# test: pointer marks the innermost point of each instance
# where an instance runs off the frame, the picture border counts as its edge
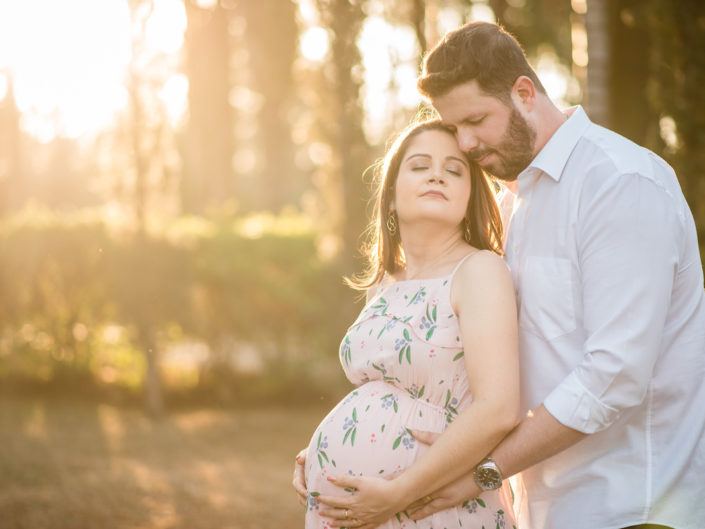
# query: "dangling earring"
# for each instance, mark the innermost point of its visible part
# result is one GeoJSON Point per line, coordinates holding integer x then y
{"type": "Point", "coordinates": [466, 231]}
{"type": "Point", "coordinates": [392, 222]}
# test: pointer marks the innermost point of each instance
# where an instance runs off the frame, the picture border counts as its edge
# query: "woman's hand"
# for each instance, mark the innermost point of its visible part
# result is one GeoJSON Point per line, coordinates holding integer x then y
{"type": "Point", "coordinates": [299, 481]}
{"type": "Point", "coordinates": [374, 501]}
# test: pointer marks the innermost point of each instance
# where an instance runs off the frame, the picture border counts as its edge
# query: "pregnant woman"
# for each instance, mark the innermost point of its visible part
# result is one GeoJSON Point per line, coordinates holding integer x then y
{"type": "Point", "coordinates": [434, 349]}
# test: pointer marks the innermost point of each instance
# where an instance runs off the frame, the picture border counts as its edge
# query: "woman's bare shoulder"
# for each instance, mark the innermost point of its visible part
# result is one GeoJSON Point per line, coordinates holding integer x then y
{"type": "Point", "coordinates": [483, 262]}
{"type": "Point", "coordinates": [484, 271]}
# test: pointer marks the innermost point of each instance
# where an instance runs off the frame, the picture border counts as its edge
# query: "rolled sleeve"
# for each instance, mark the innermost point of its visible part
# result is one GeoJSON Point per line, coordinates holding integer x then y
{"type": "Point", "coordinates": [628, 234]}
{"type": "Point", "coordinates": [574, 406]}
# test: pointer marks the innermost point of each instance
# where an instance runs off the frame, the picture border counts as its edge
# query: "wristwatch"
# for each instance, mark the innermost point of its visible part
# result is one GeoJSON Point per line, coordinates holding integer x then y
{"type": "Point", "coordinates": [487, 475]}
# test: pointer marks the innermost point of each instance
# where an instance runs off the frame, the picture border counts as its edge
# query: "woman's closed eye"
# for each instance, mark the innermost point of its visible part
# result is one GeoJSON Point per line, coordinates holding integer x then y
{"type": "Point", "coordinates": [455, 170]}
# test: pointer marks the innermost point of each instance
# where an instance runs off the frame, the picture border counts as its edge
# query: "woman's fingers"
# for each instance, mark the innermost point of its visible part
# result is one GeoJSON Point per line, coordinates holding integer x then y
{"type": "Point", "coordinates": [345, 518]}
{"type": "Point", "coordinates": [344, 482]}
{"type": "Point", "coordinates": [339, 517]}
{"type": "Point", "coordinates": [299, 480]}
{"type": "Point", "coordinates": [425, 437]}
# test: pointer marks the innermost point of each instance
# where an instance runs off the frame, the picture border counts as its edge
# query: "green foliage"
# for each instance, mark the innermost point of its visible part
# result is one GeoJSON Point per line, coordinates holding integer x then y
{"type": "Point", "coordinates": [75, 297]}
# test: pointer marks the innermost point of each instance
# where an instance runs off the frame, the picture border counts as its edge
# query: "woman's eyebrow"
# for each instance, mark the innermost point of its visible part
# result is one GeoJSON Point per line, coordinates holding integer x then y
{"type": "Point", "coordinates": [424, 155]}
{"type": "Point", "coordinates": [464, 162]}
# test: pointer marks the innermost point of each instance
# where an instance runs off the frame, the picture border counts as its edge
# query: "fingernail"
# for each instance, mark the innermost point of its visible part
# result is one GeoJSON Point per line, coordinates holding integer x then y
{"type": "Point", "coordinates": [331, 478]}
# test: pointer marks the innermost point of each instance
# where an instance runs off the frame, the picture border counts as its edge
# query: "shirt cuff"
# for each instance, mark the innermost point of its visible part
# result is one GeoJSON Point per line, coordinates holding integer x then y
{"type": "Point", "coordinates": [574, 406]}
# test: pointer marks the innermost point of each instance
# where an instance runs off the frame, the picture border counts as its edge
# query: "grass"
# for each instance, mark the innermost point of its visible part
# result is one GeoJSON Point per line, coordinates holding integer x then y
{"type": "Point", "coordinates": [75, 465]}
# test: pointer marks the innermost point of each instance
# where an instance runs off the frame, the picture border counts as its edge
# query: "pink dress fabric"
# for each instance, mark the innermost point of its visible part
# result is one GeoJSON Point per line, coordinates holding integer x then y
{"type": "Point", "coordinates": [405, 356]}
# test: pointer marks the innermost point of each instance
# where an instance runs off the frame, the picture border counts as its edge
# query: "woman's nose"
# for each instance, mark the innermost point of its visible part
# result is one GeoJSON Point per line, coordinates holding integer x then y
{"type": "Point", "coordinates": [436, 175]}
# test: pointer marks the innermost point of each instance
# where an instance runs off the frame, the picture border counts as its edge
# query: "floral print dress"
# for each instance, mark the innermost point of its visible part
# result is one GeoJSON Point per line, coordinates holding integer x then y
{"type": "Point", "coordinates": [405, 356]}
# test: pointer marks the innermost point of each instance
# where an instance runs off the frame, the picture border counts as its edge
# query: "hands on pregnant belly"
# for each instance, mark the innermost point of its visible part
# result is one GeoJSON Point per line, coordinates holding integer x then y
{"type": "Point", "coordinates": [367, 434]}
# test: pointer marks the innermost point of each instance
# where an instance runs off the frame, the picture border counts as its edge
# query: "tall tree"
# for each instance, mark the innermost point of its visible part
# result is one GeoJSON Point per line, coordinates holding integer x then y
{"type": "Point", "coordinates": [596, 94]}
{"type": "Point", "coordinates": [537, 23]}
{"type": "Point", "coordinates": [207, 146]}
{"type": "Point", "coordinates": [147, 133]}
{"type": "Point", "coordinates": [271, 38]}
{"type": "Point", "coordinates": [10, 150]}
{"type": "Point", "coordinates": [345, 134]}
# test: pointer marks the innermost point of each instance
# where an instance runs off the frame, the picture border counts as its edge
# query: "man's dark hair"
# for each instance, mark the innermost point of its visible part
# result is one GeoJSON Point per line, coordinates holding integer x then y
{"type": "Point", "coordinates": [478, 51]}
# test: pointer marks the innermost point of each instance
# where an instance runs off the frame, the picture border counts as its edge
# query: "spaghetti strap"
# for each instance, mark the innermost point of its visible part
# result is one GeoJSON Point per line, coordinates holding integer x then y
{"type": "Point", "coordinates": [465, 258]}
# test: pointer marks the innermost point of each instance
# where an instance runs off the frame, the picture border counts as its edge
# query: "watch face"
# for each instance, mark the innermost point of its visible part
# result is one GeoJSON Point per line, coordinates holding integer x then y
{"type": "Point", "coordinates": [487, 476]}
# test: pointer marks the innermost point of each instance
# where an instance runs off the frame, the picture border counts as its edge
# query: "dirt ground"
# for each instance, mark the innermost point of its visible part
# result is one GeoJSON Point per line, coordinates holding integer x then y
{"type": "Point", "coordinates": [75, 465]}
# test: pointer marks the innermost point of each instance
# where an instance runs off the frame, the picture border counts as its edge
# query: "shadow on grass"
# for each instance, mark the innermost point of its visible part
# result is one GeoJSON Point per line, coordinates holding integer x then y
{"type": "Point", "coordinates": [72, 464]}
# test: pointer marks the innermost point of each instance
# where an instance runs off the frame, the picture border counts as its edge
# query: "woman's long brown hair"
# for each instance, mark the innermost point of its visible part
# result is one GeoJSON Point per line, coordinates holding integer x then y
{"type": "Point", "coordinates": [383, 250]}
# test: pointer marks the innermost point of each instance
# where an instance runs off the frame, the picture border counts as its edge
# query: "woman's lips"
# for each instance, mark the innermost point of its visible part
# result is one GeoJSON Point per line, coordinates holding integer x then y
{"type": "Point", "coordinates": [434, 193]}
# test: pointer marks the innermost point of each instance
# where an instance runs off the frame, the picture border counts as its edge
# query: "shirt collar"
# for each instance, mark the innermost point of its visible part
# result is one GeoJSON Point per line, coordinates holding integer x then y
{"type": "Point", "coordinates": [552, 158]}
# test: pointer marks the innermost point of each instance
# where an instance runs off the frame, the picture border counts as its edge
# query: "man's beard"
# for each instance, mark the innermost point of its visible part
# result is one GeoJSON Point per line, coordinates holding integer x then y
{"type": "Point", "coordinates": [515, 150]}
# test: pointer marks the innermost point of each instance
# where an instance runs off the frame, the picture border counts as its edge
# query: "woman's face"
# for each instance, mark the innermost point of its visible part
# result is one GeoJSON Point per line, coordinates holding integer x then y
{"type": "Point", "coordinates": [433, 183]}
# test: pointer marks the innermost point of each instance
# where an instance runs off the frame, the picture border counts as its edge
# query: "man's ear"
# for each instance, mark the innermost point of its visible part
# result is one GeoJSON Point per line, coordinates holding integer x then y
{"type": "Point", "coordinates": [524, 93]}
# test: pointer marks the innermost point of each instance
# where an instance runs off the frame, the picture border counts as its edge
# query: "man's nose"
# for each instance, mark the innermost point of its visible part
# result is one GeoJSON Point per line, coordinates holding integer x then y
{"type": "Point", "coordinates": [466, 141]}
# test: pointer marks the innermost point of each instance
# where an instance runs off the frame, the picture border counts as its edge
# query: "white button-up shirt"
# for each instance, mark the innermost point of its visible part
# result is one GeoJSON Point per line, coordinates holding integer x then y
{"type": "Point", "coordinates": [604, 255]}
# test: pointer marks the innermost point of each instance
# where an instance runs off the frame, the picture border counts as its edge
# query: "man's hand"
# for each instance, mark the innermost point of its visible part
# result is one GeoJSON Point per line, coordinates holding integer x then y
{"type": "Point", "coordinates": [453, 494]}
{"type": "Point", "coordinates": [446, 497]}
{"type": "Point", "coordinates": [299, 481]}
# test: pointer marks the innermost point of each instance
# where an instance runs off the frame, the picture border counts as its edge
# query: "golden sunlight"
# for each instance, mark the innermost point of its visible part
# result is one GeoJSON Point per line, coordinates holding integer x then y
{"type": "Point", "coordinates": [314, 44]}
{"type": "Point", "coordinates": [67, 60]}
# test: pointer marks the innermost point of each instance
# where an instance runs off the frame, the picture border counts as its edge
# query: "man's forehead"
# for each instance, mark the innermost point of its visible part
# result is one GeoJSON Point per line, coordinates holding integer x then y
{"type": "Point", "coordinates": [464, 101]}
{"type": "Point", "coordinates": [458, 109]}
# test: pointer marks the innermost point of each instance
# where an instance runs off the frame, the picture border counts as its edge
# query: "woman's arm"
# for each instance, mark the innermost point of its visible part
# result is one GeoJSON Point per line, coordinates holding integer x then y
{"type": "Point", "coordinates": [483, 296]}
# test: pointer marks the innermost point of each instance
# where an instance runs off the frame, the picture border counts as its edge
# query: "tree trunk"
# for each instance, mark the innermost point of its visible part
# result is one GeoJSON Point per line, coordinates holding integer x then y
{"type": "Point", "coordinates": [207, 147]}
{"type": "Point", "coordinates": [596, 98]}
{"type": "Point", "coordinates": [153, 396]}
{"type": "Point", "coordinates": [271, 39]}
{"type": "Point", "coordinates": [10, 152]}
{"type": "Point", "coordinates": [345, 19]}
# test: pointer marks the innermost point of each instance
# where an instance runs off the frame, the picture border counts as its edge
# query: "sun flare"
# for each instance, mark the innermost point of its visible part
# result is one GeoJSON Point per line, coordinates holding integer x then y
{"type": "Point", "coordinates": [67, 60]}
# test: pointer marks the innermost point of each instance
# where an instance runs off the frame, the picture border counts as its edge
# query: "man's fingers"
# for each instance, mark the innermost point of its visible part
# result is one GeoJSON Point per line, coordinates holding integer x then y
{"type": "Point", "coordinates": [428, 509]}
{"type": "Point", "coordinates": [421, 502]}
{"type": "Point", "coordinates": [425, 437]}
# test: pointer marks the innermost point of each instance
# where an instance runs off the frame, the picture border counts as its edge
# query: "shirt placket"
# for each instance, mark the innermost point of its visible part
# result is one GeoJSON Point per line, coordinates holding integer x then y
{"type": "Point", "coordinates": [515, 250]}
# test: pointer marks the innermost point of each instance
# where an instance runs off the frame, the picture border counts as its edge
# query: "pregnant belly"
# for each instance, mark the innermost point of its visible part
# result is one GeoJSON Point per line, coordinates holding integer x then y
{"type": "Point", "coordinates": [369, 433]}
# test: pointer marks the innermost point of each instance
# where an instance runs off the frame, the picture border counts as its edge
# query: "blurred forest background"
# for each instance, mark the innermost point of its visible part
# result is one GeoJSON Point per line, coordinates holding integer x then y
{"type": "Point", "coordinates": [183, 182]}
{"type": "Point", "coordinates": [183, 185]}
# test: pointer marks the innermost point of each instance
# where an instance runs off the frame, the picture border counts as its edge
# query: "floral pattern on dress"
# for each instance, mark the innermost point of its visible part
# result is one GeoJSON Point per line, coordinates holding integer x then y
{"type": "Point", "coordinates": [405, 355]}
